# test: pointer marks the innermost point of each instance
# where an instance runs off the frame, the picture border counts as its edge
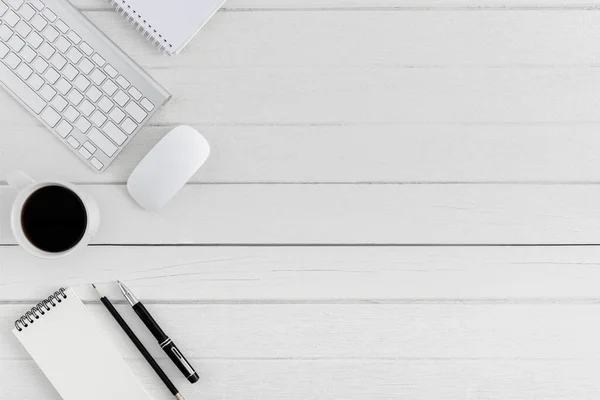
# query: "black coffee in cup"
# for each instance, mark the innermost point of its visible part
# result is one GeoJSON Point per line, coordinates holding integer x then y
{"type": "Point", "coordinates": [54, 219]}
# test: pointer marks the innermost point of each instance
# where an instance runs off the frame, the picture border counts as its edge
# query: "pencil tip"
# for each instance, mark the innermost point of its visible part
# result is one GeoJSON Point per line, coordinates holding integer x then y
{"type": "Point", "coordinates": [94, 286]}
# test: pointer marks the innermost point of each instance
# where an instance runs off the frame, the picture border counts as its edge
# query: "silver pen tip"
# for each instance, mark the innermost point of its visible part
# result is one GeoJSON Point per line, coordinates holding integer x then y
{"type": "Point", "coordinates": [178, 396]}
{"type": "Point", "coordinates": [128, 294]}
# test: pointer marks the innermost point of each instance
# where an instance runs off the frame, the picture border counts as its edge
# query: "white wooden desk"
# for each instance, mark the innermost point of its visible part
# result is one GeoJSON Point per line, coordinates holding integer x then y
{"type": "Point", "coordinates": [402, 202]}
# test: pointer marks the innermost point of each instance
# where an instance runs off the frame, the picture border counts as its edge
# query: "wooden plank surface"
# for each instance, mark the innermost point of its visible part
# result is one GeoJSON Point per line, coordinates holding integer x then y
{"type": "Point", "coordinates": [401, 5]}
{"type": "Point", "coordinates": [315, 274]}
{"type": "Point", "coordinates": [345, 154]}
{"type": "Point", "coordinates": [348, 214]}
{"type": "Point", "coordinates": [341, 331]}
{"type": "Point", "coordinates": [354, 379]}
{"type": "Point", "coordinates": [343, 131]}
{"type": "Point", "coordinates": [525, 108]}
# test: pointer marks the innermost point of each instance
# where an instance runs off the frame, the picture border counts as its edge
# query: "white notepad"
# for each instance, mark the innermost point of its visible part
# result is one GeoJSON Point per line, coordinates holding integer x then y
{"type": "Point", "coordinates": [74, 354]}
{"type": "Point", "coordinates": [169, 24]}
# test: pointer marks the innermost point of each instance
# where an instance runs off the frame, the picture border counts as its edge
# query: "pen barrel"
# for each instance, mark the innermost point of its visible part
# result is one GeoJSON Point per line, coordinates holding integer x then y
{"type": "Point", "coordinates": [180, 361]}
{"type": "Point", "coordinates": [150, 323]}
{"type": "Point", "coordinates": [166, 344]}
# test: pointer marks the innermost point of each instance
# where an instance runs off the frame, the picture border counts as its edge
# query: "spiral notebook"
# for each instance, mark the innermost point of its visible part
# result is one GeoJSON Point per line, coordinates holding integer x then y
{"type": "Point", "coordinates": [168, 24]}
{"type": "Point", "coordinates": [69, 347]}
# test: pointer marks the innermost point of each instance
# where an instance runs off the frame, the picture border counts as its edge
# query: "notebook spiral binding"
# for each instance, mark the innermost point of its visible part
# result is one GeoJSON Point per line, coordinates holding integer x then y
{"type": "Point", "coordinates": [40, 309]}
{"type": "Point", "coordinates": [140, 24]}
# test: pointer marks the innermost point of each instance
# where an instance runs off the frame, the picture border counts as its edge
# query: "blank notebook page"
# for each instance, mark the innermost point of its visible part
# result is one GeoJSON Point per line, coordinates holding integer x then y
{"type": "Point", "coordinates": [176, 20]}
{"type": "Point", "coordinates": [76, 356]}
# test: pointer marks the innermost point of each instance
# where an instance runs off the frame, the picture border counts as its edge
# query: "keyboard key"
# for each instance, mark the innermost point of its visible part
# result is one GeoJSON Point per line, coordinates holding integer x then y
{"type": "Point", "coordinates": [50, 116]}
{"type": "Point", "coordinates": [75, 96]}
{"type": "Point", "coordinates": [97, 58]}
{"type": "Point", "coordinates": [38, 22]}
{"type": "Point", "coordinates": [121, 98]}
{"type": "Point", "coordinates": [35, 81]}
{"type": "Point", "coordinates": [63, 86]}
{"type": "Point", "coordinates": [114, 133]}
{"type": "Point", "coordinates": [27, 53]}
{"type": "Point", "coordinates": [70, 72]}
{"type": "Point", "coordinates": [117, 115]}
{"type": "Point", "coordinates": [110, 71]}
{"type": "Point", "coordinates": [71, 114]}
{"type": "Point", "coordinates": [37, 4]}
{"type": "Point", "coordinates": [24, 71]}
{"type": "Point", "coordinates": [123, 82]}
{"type": "Point", "coordinates": [16, 4]}
{"type": "Point", "coordinates": [59, 103]}
{"type": "Point", "coordinates": [135, 93]}
{"type": "Point", "coordinates": [51, 75]}
{"type": "Point", "coordinates": [22, 28]}
{"type": "Point", "coordinates": [73, 142]}
{"type": "Point", "coordinates": [62, 44]}
{"type": "Point", "coordinates": [3, 50]}
{"type": "Point", "coordinates": [98, 77]}
{"type": "Point", "coordinates": [102, 142]}
{"type": "Point", "coordinates": [49, 15]}
{"type": "Point", "coordinates": [83, 124]}
{"type": "Point", "coordinates": [73, 37]}
{"type": "Point", "coordinates": [81, 82]}
{"type": "Point", "coordinates": [90, 147]}
{"type": "Point", "coordinates": [96, 163]}
{"type": "Point", "coordinates": [46, 50]}
{"type": "Point", "coordinates": [50, 33]}
{"type": "Point", "coordinates": [98, 118]}
{"type": "Point", "coordinates": [60, 24]}
{"type": "Point", "coordinates": [47, 92]}
{"type": "Point", "coordinates": [23, 92]}
{"type": "Point", "coordinates": [129, 126]}
{"type": "Point", "coordinates": [109, 88]}
{"type": "Point", "coordinates": [86, 48]}
{"type": "Point", "coordinates": [34, 40]}
{"type": "Point", "coordinates": [74, 55]}
{"type": "Point", "coordinates": [86, 66]}
{"type": "Point", "coordinates": [3, 8]}
{"type": "Point", "coordinates": [105, 104]}
{"type": "Point", "coordinates": [15, 43]}
{"type": "Point", "coordinates": [136, 112]}
{"type": "Point", "coordinates": [27, 12]}
{"type": "Point", "coordinates": [94, 94]}
{"type": "Point", "coordinates": [12, 60]}
{"type": "Point", "coordinates": [64, 128]}
{"type": "Point", "coordinates": [11, 18]}
{"type": "Point", "coordinates": [86, 108]}
{"type": "Point", "coordinates": [5, 32]}
{"type": "Point", "coordinates": [84, 153]}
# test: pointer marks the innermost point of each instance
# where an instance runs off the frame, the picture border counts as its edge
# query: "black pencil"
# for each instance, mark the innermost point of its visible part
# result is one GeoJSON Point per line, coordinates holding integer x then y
{"type": "Point", "coordinates": [113, 311]}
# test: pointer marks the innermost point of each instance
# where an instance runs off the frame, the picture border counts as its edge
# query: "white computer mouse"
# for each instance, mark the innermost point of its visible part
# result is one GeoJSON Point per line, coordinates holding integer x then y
{"type": "Point", "coordinates": [167, 167]}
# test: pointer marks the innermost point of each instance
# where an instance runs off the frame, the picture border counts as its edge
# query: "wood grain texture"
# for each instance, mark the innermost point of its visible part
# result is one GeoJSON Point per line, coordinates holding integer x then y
{"type": "Point", "coordinates": [353, 332]}
{"type": "Point", "coordinates": [348, 214]}
{"type": "Point", "coordinates": [355, 380]}
{"type": "Point", "coordinates": [360, 5]}
{"type": "Point", "coordinates": [504, 109]}
{"type": "Point", "coordinates": [460, 275]}
{"type": "Point", "coordinates": [343, 154]}
{"type": "Point", "coordinates": [355, 123]}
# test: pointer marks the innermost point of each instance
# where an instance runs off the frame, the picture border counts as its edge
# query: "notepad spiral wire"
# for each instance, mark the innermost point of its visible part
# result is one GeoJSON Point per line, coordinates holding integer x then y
{"type": "Point", "coordinates": [40, 309]}
{"type": "Point", "coordinates": [140, 24]}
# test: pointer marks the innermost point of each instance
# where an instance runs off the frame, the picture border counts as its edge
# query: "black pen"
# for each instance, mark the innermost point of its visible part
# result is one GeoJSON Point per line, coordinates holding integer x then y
{"type": "Point", "coordinates": [113, 311]}
{"type": "Point", "coordinates": [163, 340]}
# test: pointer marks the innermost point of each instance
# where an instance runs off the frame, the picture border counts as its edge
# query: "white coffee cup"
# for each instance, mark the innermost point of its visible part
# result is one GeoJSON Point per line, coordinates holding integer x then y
{"type": "Point", "coordinates": [26, 187]}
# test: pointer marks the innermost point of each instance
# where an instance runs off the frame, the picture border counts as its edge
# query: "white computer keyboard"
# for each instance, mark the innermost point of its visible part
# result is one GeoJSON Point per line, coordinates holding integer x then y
{"type": "Point", "coordinates": [76, 81]}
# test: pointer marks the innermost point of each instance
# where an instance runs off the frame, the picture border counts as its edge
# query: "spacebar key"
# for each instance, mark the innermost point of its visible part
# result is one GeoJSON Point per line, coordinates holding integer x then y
{"type": "Point", "coordinates": [21, 90]}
